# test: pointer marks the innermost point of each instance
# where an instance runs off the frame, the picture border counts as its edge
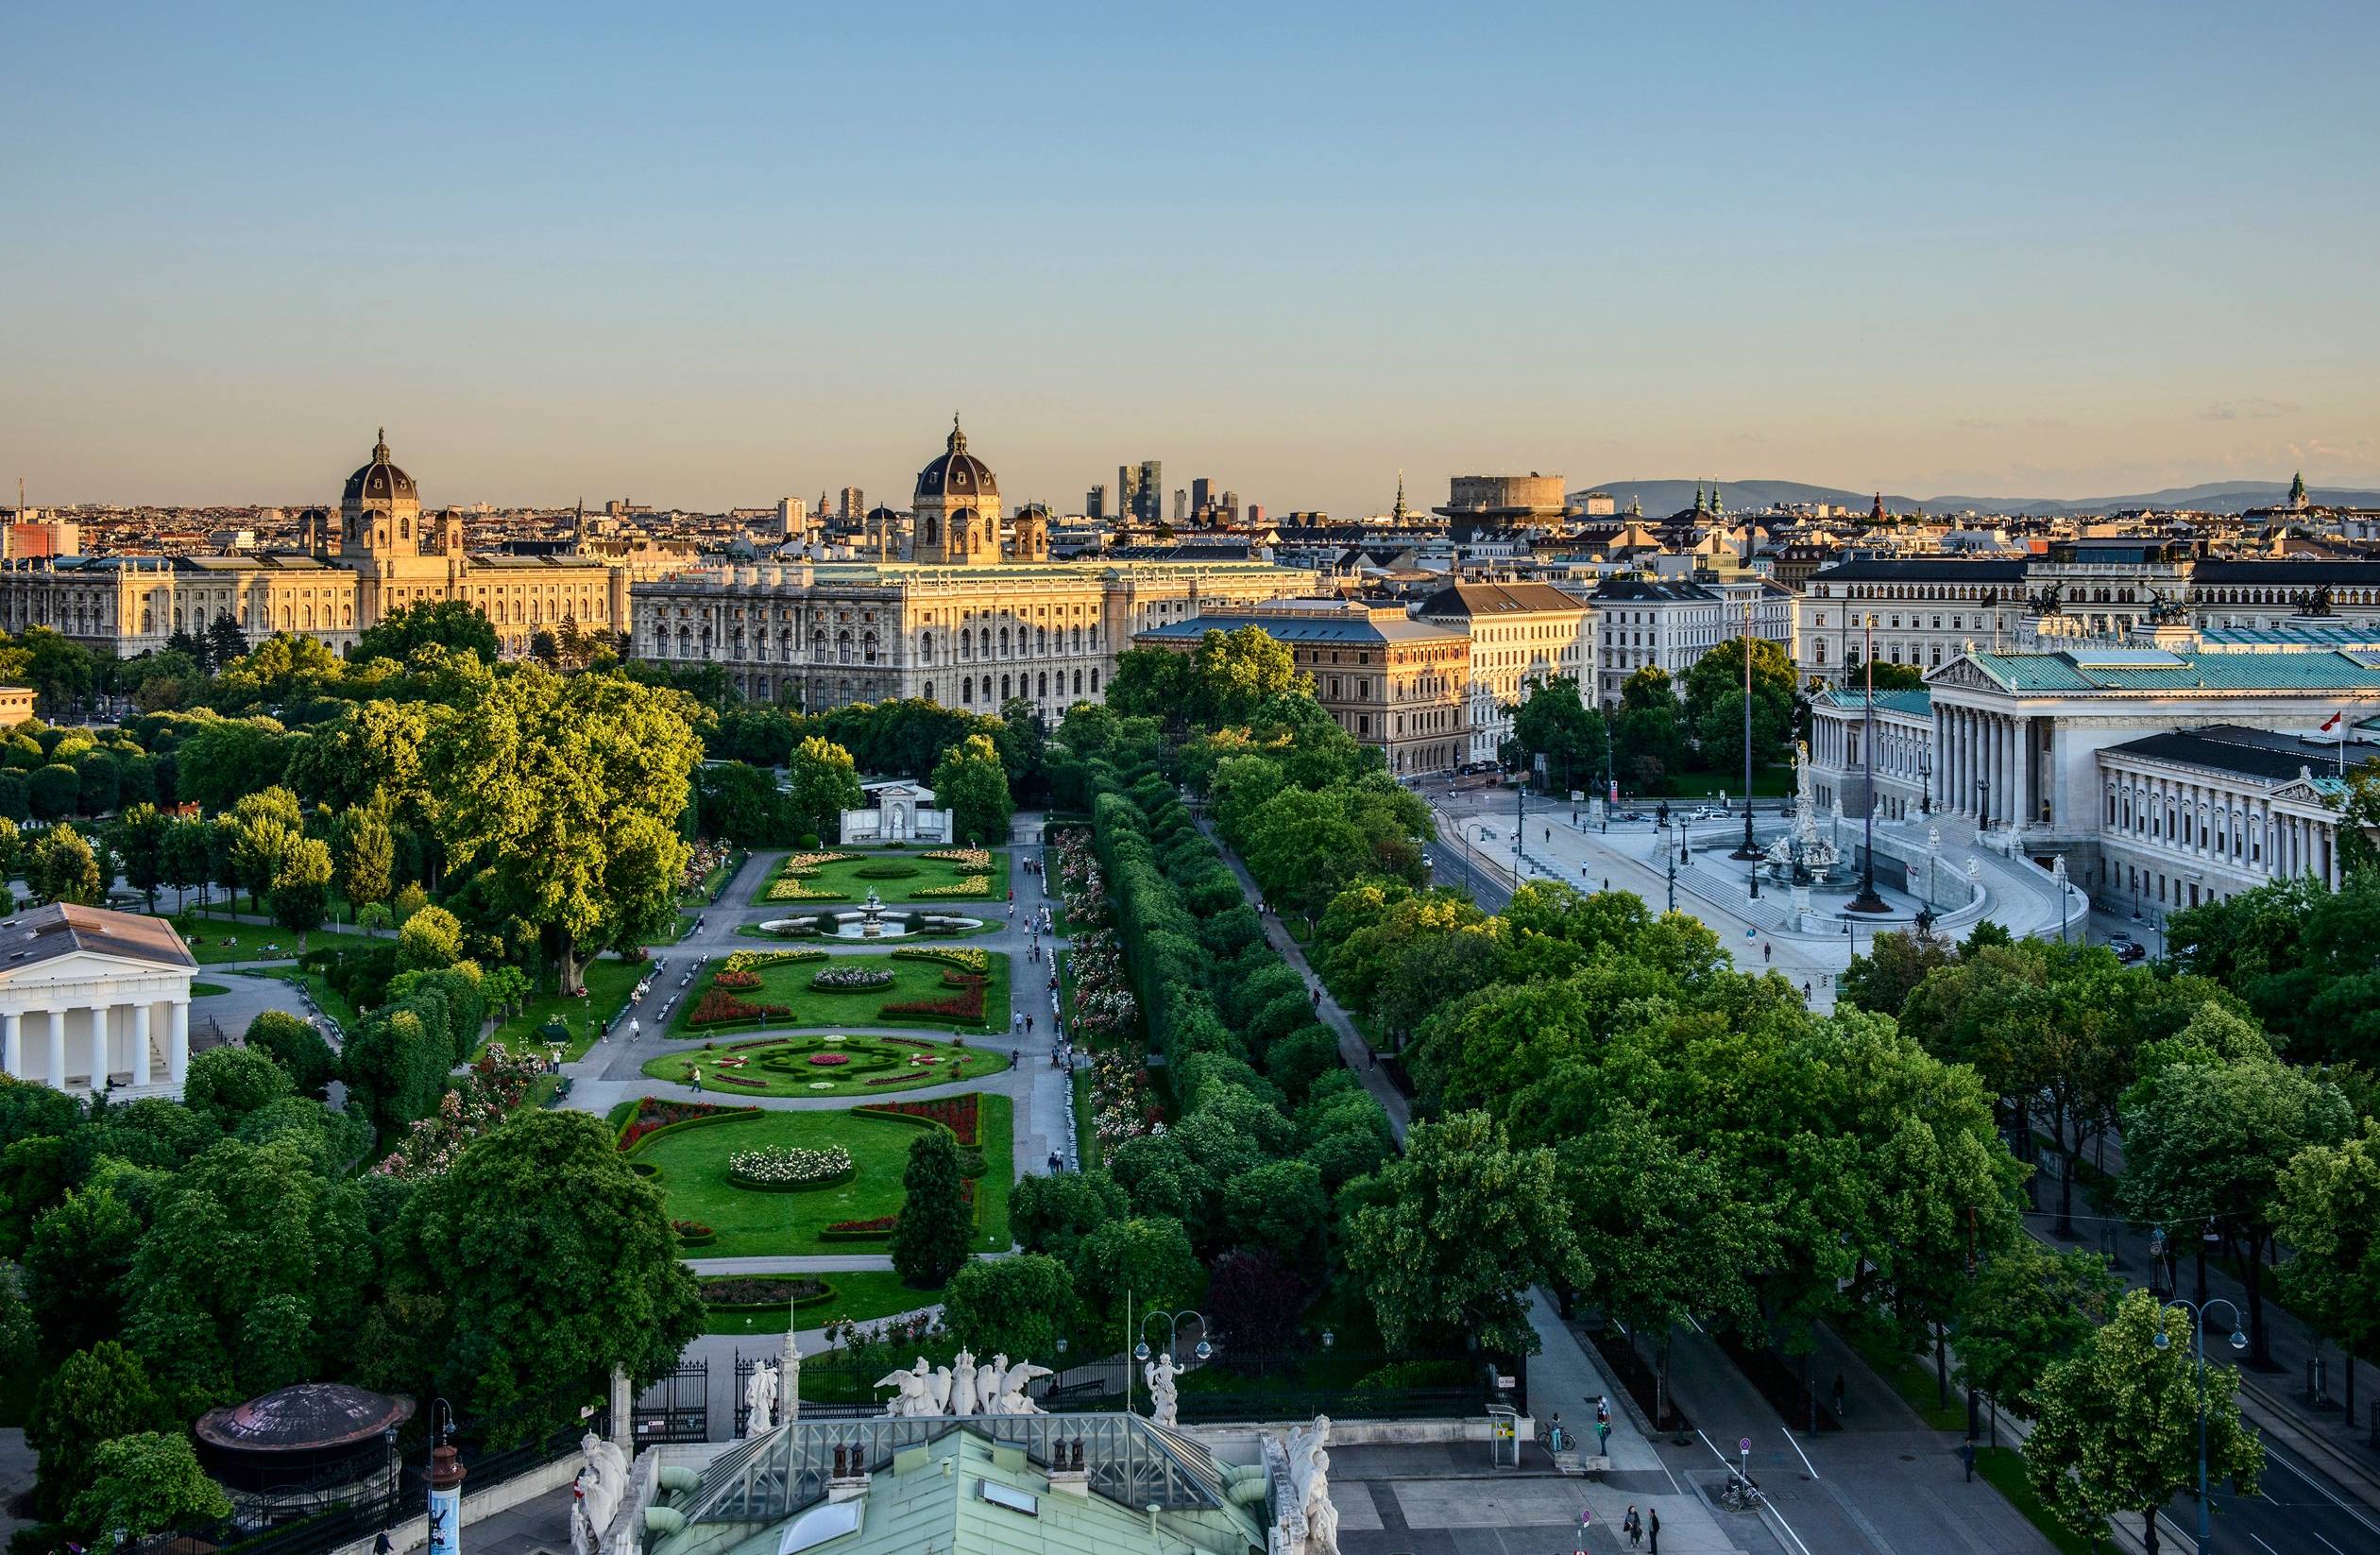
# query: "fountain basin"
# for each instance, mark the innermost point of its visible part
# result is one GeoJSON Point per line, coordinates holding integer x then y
{"type": "Point", "coordinates": [887, 923]}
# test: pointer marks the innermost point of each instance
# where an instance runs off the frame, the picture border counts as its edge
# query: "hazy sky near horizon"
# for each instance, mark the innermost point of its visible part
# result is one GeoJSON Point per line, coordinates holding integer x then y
{"type": "Point", "coordinates": [716, 255]}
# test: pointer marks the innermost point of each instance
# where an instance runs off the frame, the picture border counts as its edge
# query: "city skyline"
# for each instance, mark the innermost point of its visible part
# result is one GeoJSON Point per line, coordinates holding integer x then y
{"type": "Point", "coordinates": [725, 265]}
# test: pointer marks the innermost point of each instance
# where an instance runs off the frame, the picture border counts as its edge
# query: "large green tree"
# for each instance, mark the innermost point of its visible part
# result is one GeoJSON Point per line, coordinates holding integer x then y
{"type": "Point", "coordinates": [96, 1395]}
{"type": "Point", "coordinates": [1020, 1306]}
{"type": "Point", "coordinates": [936, 1230]}
{"type": "Point", "coordinates": [2328, 1213]}
{"type": "Point", "coordinates": [140, 843]}
{"type": "Point", "coordinates": [971, 783]}
{"type": "Point", "coordinates": [820, 782]}
{"type": "Point", "coordinates": [450, 622]}
{"type": "Point", "coordinates": [251, 1276]}
{"type": "Point", "coordinates": [1714, 703]}
{"type": "Point", "coordinates": [522, 1276]}
{"type": "Point", "coordinates": [564, 795]}
{"type": "Point", "coordinates": [146, 1483]}
{"type": "Point", "coordinates": [2027, 1309]}
{"type": "Point", "coordinates": [2119, 1430]}
{"type": "Point", "coordinates": [1554, 721]}
{"type": "Point", "coordinates": [301, 888]}
{"type": "Point", "coordinates": [2207, 1137]}
{"type": "Point", "coordinates": [1234, 672]}
{"type": "Point", "coordinates": [61, 867]}
{"type": "Point", "coordinates": [1450, 1237]}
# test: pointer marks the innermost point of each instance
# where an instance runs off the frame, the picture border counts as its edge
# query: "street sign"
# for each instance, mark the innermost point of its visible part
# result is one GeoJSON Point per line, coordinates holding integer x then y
{"type": "Point", "coordinates": [1745, 1444]}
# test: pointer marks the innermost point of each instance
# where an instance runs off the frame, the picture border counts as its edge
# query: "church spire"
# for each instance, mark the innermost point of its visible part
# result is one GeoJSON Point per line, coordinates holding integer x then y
{"type": "Point", "coordinates": [2297, 490]}
{"type": "Point", "coordinates": [1401, 501]}
{"type": "Point", "coordinates": [1718, 505]}
{"type": "Point", "coordinates": [1701, 503]}
{"type": "Point", "coordinates": [958, 439]}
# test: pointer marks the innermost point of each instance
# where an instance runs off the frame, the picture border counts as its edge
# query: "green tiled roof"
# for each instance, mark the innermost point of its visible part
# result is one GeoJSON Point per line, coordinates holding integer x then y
{"type": "Point", "coordinates": [2156, 670]}
{"type": "Point", "coordinates": [1918, 704]}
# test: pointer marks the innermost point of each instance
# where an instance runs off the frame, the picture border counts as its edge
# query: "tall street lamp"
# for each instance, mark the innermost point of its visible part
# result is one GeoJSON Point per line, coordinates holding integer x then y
{"type": "Point", "coordinates": [2198, 1312]}
{"type": "Point", "coordinates": [1867, 900]}
{"type": "Point", "coordinates": [1747, 850]}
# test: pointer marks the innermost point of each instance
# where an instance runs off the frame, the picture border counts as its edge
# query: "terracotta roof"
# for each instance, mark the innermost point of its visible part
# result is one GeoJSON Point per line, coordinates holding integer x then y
{"type": "Point", "coordinates": [61, 929]}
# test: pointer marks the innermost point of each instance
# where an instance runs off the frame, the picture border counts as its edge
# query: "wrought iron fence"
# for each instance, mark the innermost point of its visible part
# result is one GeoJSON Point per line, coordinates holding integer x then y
{"type": "Point", "coordinates": [676, 1407]}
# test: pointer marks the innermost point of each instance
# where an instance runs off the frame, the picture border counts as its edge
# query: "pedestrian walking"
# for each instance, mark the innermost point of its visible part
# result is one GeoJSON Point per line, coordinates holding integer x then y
{"type": "Point", "coordinates": [1028, 1025]}
{"type": "Point", "coordinates": [1766, 950]}
{"type": "Point", "coordinates": [1653, 1530]}
{"type": "Point", "coordinates": [1016, 1022]}
{"type": "Point", "coordinates": [1634, 1525]}
{"type": "Point", "coordinates": [694, 1075]}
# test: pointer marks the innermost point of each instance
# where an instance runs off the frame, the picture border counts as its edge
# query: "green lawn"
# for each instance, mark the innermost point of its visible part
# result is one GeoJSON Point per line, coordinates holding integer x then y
{"type": "Point", "coordinates": [610, 983]}
{"type": "Point", "coordinates": [782, 1066]}
{"type": "Point", "coordinates": [692, 1177]}
{"type": "Point", "coordinates": [989, 919]}
{"type": "Point", "coordinates": [1086, 1136]}
{"type": "Point", "coordinates": [330, 1003]}
{"type": "Point", "coordinates": [207, 990]}
{"type": "Point", "coordinates": [2003, 1468]}
{"type": "Point", "coordinates": [849, 881]}
{"type": "Point", "coordinates": [862, 1295]}
{"type": "Point", "coordinates": [788, 985]}
{"type": "Point", "coordinates": [206, 937]}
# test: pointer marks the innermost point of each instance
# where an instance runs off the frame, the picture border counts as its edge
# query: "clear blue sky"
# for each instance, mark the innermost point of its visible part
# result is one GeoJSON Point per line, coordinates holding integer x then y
{"type": "Point", "coordinates": [559, 251]}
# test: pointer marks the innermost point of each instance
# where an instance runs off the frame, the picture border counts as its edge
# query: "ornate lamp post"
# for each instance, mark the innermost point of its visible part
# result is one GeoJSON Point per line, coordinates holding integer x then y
{"type": "Point", "coordinates": [2198, 1312]}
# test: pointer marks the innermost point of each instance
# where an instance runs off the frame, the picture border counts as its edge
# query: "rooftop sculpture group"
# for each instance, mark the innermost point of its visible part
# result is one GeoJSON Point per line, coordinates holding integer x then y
{"type": "Point", "coordinates": [963, 1389]}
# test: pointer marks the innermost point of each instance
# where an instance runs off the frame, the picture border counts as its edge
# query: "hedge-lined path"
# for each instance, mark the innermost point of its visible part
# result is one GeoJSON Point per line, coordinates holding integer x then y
{"type": "Point", "coordinates": [612, 1070]}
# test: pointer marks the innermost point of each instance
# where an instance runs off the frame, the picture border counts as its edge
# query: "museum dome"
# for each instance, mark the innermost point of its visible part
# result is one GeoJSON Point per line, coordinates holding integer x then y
{"type": "Point", "coordinates": [379, 481]}
{"type": "Point", "coordinates": [958, 475]}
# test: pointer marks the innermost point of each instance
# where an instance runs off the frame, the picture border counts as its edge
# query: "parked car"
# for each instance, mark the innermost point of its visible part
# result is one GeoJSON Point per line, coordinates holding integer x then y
{"type": "Point", "coordinates": [1711, 813]}
{"type": "Point", "coordinates": [2127, 948]}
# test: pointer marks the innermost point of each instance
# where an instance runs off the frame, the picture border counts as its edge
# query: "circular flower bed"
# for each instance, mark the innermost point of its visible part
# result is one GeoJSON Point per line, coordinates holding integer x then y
{"type": "Point", "coordinates": [824, 1060]}
{"type": "Point", "coordinates": [849, 979]}
{"type": "Point", "coordinates": [788, 1168]}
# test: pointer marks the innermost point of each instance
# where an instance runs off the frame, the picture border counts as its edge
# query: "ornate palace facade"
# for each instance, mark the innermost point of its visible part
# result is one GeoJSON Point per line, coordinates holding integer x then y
{"type": "Point", "coordinates": [979, 616]}
{"type": "Point", "coordinates": [381, 556]}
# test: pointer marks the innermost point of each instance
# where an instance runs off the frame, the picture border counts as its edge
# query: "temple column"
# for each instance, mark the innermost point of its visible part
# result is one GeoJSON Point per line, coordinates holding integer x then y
{"type": "Point", "coordinates": [98, 1049]}
{"type": "Point", "coordinates": [141, 1070]}
{"type": "Point", "coordinates": [177, 1042]}
{"type": "Point", "coordinates": [12, 1045]}
{"type": "Point", "coordinates": [57, 1050]}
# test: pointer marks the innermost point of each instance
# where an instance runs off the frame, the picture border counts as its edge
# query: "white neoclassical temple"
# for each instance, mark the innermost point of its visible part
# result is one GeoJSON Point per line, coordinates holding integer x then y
{"type": "Point", "coordinates": [91, 998]}
{"type": "Point", "coordinates": [896, 812]}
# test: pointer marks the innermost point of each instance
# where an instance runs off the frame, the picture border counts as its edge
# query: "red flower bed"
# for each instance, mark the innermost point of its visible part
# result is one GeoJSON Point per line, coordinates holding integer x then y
{"type": "Point", "coordinates": [966, 1005]}
{"type": "Point", "coordinates": [882, 1222]}
{"type": "Point", "coordinates": [739, 1079]}
{"type": "Point", "coordinates": [828, 1060]}
{"type": "Point", "coordinates": [736, 980]}
{"type": "Point", "coordinates": [716, 1009]}
{"type": "Point", "coordinates": [913, 1042]}
{"type": "Point", "coordinates": [653, 1113]}
{"type": "Point", "coordinates": [959, 1114]}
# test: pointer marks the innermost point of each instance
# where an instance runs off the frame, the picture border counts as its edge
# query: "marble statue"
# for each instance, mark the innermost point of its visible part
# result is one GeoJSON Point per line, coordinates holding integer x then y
{"type": "Point", "coordinates": [1305, 1521]}
{"type": "Point", "coordinates": [1012, 1399]}
{"type": "Point", "coordinates": [760, 1397]}
{"type": "Point", "coordinates": [965, 1388]}
{"type": "Point", "coordinates": [1165, 1399]}
{"type": "Point", "coordinates": [597, 1493]}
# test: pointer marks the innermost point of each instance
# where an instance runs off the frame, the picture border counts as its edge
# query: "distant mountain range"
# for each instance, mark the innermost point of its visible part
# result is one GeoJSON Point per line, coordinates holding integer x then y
{"type": "Point", "coordinates": [1662, 498]}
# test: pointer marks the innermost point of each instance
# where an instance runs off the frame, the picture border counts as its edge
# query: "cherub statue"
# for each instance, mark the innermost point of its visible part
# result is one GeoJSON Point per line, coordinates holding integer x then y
{"type": "Point", "coordinates": [1165, 1400]}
